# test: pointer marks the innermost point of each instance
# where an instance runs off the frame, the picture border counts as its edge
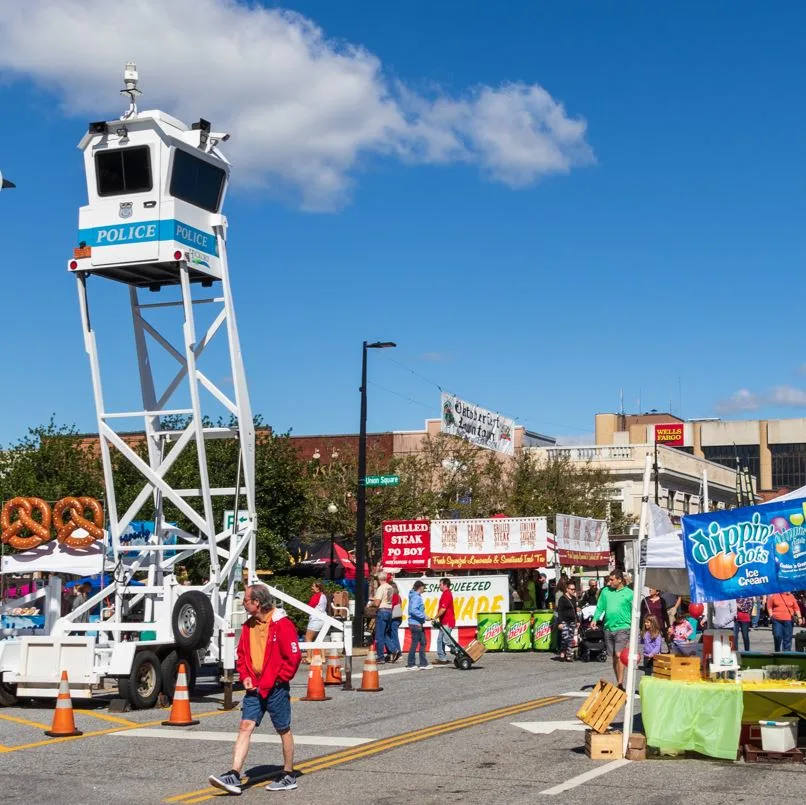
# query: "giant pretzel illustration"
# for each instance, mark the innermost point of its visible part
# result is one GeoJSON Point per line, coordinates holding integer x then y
{"type": "Point", "coordinates": [75, 508]}
{"type": "Point", "coordinates": [12, 529]}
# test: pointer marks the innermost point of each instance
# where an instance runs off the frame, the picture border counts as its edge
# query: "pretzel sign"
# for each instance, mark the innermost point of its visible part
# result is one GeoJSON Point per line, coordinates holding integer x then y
{"type": "Point", "coordinates": [75, 508]}
{"type": "Point", "coordinates": [12, 529]}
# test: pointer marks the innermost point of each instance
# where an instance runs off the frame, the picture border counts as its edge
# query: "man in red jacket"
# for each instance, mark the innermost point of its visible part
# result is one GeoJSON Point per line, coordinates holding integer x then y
{"type": "Point", "coordinates": [268, 658]}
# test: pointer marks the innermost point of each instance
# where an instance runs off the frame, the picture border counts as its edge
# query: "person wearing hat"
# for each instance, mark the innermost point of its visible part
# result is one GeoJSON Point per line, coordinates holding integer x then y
{"type": "Point", "coordinates": [268, 658]}
{"type": "Point", "coordinates": [383, 618]}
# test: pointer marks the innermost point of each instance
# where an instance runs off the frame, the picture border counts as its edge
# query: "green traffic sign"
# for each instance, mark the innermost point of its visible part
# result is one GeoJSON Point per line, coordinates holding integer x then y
{"type": "Point", "coordinates": [381, 480]}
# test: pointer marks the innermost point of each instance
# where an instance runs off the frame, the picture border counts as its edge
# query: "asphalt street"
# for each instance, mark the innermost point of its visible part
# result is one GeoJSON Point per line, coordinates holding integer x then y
{"type": "Point", "coordinates": [432, 736]}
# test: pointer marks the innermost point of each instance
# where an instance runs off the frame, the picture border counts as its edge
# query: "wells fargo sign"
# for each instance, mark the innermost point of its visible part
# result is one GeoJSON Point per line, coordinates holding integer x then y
{"type": "Point", "coordinates": [672, 434]}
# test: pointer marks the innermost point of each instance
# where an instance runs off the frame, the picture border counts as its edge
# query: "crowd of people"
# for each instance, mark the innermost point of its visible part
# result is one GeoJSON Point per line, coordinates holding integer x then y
{"type": "Point", "coordinates": [668, 624]}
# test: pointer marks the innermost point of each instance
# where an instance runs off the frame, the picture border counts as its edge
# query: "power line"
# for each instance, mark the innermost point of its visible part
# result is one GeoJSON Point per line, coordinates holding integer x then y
{"type": "Point", "coordinates": [398, 394]}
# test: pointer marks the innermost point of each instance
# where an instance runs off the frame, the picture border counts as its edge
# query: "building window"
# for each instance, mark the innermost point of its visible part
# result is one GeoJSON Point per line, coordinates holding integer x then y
{"type": "Point", "coordinates": [123, 170]}
{"type": "Point", "coordinates": [196, 181]}
{"type": "Point", "coordinates": [788, 465]}
{"type": "Point", "coordinates": [726, 454]}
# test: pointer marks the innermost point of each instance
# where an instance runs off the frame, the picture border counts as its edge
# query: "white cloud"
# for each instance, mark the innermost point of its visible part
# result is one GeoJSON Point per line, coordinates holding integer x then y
{"type": "Point", "coordinates": [303, 109]}
{"type": "Point", "coordinates": [745, 400]}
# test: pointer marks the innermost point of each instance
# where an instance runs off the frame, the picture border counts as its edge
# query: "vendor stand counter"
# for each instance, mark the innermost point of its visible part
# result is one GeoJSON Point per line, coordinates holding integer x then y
{"type": "Point", "coordinates": [706, 717]}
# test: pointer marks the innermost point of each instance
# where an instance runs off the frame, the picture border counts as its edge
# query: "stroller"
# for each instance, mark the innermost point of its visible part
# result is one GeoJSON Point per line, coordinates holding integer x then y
{"type": "Point", "coordinates": [592, 642]}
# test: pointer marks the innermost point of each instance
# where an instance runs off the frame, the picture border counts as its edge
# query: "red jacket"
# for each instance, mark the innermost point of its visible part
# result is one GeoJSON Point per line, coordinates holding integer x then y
{"type": "Point", "coordinates": [282, 654]}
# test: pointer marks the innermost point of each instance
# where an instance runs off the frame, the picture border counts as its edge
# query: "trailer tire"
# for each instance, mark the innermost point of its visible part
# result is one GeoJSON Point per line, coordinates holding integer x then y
{"type": "Point", "coordinates": [143, 685]}
{"type": "Point", "coordinates": [192, 620]}
{"type": "Point", "coordinates": [8, 694]}
{"type": "Point", "coordinates": [170, 669]}
{"type": "Point", "coordinates": [464, 663]}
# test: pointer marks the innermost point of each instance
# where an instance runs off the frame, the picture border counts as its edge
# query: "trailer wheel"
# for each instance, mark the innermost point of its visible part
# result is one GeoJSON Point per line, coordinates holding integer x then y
{"type": "Point", "coordinates": [193, 620]}
{"type": "Point", "coordinates": [8, 694]}
{"type": "Point", "coordinates": [143, 685]}
{"type": "Point", "coordinates": [170, 668]}
{"type": "Point", "coordinates": [463, 663]}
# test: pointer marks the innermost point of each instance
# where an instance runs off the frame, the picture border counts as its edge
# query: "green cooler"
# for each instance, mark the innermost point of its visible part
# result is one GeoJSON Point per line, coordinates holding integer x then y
{"type": "Point", "coordinates": [490, 630]}
{"type": "Point", "coordinates": [517, 631]}
{"type": "Point", "coordinates": [541, 633]}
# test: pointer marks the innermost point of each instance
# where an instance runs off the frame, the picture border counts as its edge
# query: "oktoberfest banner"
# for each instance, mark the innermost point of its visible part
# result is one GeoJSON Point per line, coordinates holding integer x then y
{"type": "Point", "coordinates": [582, 541]}
{"type": "Point", "coordinates": [756, 550]}
{"type": "Point", "coordinates": [477, 425]}
{"type": "Point", "coordinates": [496, 543]}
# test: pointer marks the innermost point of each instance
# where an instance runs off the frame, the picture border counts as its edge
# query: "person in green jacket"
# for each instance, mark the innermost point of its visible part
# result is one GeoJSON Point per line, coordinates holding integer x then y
{"type": "Point", "coordinates": [615, 608]}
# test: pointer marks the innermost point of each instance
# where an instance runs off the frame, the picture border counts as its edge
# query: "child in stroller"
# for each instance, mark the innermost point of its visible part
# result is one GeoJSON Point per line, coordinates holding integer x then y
{"type": "Point", "coordinates": [592, 642]}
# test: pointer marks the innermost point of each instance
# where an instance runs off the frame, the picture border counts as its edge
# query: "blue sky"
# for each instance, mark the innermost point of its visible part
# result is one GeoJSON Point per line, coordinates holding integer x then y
{"type": "Point", "coordinates": [644, 231]}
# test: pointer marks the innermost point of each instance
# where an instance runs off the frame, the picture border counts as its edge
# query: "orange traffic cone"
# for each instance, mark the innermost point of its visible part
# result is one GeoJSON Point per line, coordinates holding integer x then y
{"type": "Point", "coordinates": [369, 679]}
{"type": "Point", "coordinates": [64, 724]}
{"type": "Point", "coordinates": [316, 682]}
{"type": "Point", "coordinates": [180, 709]}
{"type": "Point", "coordinates": [333, 675]}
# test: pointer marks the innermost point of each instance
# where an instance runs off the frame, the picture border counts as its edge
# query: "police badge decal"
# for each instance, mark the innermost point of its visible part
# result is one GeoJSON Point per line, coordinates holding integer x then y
{"type": "Point", "coordinates": [125, 210]}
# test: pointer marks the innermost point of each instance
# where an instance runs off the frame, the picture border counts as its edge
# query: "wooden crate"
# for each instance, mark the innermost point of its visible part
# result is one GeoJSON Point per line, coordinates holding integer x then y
{"type": "Point", "coordinates": [475, 650]}
{"type": "Point", "coordinates": [602, 706]}
{"type": "Point", "coordinates": [754, 754]}
{"type": "Point", "coordinates": [603, 745]}
{"type": "Point", "coordinates": [677, 669]}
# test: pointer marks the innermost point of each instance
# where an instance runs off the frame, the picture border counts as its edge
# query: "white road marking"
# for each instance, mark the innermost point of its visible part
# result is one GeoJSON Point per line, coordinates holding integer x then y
{"type": "Point", "coordinates": [577, 694]}
{"type": "Point", "coordinates": [402, 670]}
{"type": "Point", "coordinates": [260, 738]}
{"type": "Point", "coordinates": [547, 727]}
{"type": "Point", "coordinates": [585, 777]}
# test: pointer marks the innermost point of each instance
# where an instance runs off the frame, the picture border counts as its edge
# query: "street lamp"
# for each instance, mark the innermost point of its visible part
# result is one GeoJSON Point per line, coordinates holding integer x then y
{"type": "Point", "coordinates": [361, 500]}
{"type": "Point", "coordinates": [331, 510]}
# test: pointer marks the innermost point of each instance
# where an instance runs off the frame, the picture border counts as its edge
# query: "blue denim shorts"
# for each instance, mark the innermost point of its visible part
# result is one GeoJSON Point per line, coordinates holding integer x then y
{"type": "Point", "coordinates": [277, 704]}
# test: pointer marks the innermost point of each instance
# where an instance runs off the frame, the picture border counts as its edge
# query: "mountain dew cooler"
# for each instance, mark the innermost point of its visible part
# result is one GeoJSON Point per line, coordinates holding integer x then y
{"type": "Point", "coordinates": [491, 630]}
{"type": "Point", "coordinates": [541, 634]}
{"type": "Point", "coordinates": [517, 628]}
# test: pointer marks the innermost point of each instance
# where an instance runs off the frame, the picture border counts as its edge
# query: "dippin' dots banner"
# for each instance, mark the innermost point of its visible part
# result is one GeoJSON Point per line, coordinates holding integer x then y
{"type": "Point", "coordinates": [756, 550]}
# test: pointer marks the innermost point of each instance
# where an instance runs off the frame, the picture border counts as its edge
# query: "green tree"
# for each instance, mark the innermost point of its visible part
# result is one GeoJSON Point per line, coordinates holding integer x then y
{"type": "Point", "coordinates": [50, 462]}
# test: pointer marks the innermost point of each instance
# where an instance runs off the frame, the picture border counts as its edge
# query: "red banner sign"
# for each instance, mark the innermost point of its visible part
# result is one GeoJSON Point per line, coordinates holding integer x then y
{"type": "Point", "coordinates": [513, 560]}
{"type": "Point", "coordinates": [406, 544]}
{"type": "Point", "coordinates": [672, 434]}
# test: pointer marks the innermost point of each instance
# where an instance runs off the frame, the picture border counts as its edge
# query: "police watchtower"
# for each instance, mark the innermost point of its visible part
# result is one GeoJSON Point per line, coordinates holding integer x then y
{"type": "Point", "coordinates": [153, 222]}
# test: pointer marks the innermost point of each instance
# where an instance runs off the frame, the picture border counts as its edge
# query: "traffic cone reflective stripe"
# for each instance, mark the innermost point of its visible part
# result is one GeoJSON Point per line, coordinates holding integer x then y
{"type": "Point", "coordinates": [333, 675]}
{"type": "Point", "coordinates": [180, 709]}
{"type": "Point", "coordinates": [369, 679]}
{"type": "Point", "coordinates": [316, 683]}
{"type": "Point", "coordinates": [64, 724]}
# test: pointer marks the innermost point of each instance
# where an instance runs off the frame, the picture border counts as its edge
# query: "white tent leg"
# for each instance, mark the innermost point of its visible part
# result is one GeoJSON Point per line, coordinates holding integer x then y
{"type": "Point", "coordinates": [638, 583]}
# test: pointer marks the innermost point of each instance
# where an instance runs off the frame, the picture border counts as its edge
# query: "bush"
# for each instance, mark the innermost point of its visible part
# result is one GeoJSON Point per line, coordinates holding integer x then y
{"type": "Point", "coordinates": [300, 588]}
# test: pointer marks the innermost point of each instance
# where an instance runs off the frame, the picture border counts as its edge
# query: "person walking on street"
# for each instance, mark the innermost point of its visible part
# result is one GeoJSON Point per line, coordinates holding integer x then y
{"type": "Point", "coordinates": [383, 618]}
{"type": "Point", "coordinates": [654, 605]}
{"type": "Point", "coordinates": [591, 595]}
{"type": "Point", "coordinates": [393, 638]}
{"type": "Point", "coordinates": [615, 608]}
{"type": "Point", "coordinates": [445, 617]}
{"type": "Point", "coordinates": [318, 601]}
{"type": "Point", "coordinates": [744, 615]}
{"type": "Point", "coordinates": [567, 619]}
{"type": "Point", "coordinates": [268, 657]}
{"type": "Point", "coordinates": [783, 611]}
{"type": "Point", "coordinates": [416, 622]}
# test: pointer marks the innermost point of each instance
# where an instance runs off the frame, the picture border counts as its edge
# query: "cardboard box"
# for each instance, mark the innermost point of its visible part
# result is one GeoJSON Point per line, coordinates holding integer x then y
{"type": "Point", "coordinates": [636, 747]}
{"type": "Point", "coordinates": [476, 650]}
{"type": "Point", "coordinates": [603, 745]}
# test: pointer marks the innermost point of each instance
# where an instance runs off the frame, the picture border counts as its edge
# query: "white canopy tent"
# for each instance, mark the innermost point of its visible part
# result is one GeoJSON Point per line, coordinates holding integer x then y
{"type": "Point", "coordinates": [53, 557]}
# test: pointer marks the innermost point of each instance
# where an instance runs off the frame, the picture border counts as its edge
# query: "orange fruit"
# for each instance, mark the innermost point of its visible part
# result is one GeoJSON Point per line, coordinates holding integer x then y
{"type": "Point", "coordinates": [782, 547]}
{"type": "Point", "coordinates": [723, 566]}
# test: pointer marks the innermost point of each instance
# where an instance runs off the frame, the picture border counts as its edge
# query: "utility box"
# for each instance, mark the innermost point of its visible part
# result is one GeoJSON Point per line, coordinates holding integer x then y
{"type": "Point", "coordinates": [155, 189]}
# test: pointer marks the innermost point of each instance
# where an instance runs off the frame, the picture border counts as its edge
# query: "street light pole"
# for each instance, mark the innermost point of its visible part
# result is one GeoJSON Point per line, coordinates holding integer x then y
{"type": "Point", "coordinates": [331, 510]}
{"type": "Point", "coordinates": [361, 498]}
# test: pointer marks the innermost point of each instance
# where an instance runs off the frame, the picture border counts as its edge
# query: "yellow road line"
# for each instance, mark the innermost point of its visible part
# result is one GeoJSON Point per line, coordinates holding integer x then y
{"type": "Point", "coordinates": [106, 717]}
{"type": "Point", "coordinates": [131, 725]}
{"type": "Point", "coordinates": [25, 721]}
{"type": "Point", "coordinates": [381, 745]}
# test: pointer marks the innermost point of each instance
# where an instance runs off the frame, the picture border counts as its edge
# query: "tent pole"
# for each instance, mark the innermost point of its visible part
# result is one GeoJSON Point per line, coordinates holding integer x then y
{"type": "Point", "coordinates": [638, 584]}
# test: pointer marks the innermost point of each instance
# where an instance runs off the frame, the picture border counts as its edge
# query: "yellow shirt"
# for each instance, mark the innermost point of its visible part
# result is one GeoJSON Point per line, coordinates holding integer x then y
{"type": "Point", "coordinates": [258, 637]}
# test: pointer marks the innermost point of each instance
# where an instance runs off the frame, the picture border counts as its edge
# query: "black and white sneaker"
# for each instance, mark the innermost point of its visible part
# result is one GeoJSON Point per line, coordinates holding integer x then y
{"type": "Point", "coordinates": [229, 781]}
{"type": "Point", "coordinates": [286, 783]}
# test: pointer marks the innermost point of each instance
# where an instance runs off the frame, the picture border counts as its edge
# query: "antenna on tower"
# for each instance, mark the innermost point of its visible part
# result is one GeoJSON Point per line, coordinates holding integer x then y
{"type": "Point", "coordinates": [130, 78]}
